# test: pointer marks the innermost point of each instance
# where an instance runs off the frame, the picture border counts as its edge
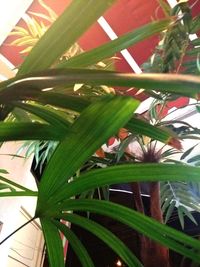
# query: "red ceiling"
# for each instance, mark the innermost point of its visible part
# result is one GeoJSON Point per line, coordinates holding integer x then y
{"type": "Point", "coordinates": [124, 16]}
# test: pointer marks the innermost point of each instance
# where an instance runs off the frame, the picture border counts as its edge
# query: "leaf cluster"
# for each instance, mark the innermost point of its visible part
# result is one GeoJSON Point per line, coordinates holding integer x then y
{"type": "Point", "coordinates": [95, 121]}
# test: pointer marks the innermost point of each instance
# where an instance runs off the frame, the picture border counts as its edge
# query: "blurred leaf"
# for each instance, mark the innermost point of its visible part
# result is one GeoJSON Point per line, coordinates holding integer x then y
{"type": "Point", "coordinates": [181, 216]}
{"type": "Point", "coordinates": [4, 171]}
{"type": "Point", "coordinates": [187, 152]}
{"type": "Point", "coordinates": [6, 186]}
{"type": "Point", "coordinates": [143, 224]}
{"type": "Point", "coordinates": [46, 114]}
{"type": "Point", "coordinates": [188, 214]}
{"type": "Point", "coordinates": [20, 115]}
{"type": "Point", "coordinates": [75, 243]}
{"type": "Point", "coordinates": [58, 38]}
{"type": "Point", "coordinates": [123, 174]}
{"type": "Point", "coordinates": [165, 7]}
{"type": "Point", "coordinates": [170, 210]}
{"type": "Point", "coordinates": [197, 108]}
{"type": "Point", "coordinates": [182, 193]}
{"type": "Point", "coordinates": [28, 131]}
{"type": "Point", "coordinates": [110, 48]}
{"type": "Point", "coordinates": [193, 159]}
{"type": "Point", "coordinates": [145, 128]}
{"type": "Point", "coordinates": [19, 194]}
{"type": "Point", "coordinates": [75, 103]}
{"type": "Point", "coordinates": [16, 185]}
{"type": "Point", "coordinates": [185, 85]}
{"type": "Point", "coordinates": [43, 16]}
{"type": "Point", "coordinates": [170, 152]}
{"type": "Point", "coordinates": [122, 147]}
{"type": "Point", "coordinates": [53, 243]}
{"type": "Point", "coordinates": [50, 11]}
{"type": "Point", "coordinates": [106, 236]}
{"type": "Point", "coordinates": [166, 203]}
{"type": "Point", "coordinates": [95, 117]}
{"type": "Point", "coordinates": [195, 25]}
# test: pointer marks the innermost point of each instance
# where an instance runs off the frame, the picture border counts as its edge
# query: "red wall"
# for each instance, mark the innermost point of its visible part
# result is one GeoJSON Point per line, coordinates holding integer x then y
{"type": "Point", "coordinates": [124, 16]}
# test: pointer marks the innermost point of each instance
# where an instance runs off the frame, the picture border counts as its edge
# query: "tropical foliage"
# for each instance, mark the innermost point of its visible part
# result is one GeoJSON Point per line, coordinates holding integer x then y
{"type": "Point", "coordinates": [176, 53]}
{"type": "Point", "coordinates": [94, 122]}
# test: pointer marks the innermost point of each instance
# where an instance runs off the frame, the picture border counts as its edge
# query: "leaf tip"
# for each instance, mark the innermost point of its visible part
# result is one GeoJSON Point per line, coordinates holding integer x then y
{"type": "Point", "coordinates": [174, 142]}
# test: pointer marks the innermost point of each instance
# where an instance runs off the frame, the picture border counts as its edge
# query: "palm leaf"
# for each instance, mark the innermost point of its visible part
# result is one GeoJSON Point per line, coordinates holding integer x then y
{"type": "Point", "coordinates": [142, 127]}
{"type": "Point", "coordinates": [94, 117]}
{"type": "Point", "coordinates": [58, 38]}
{"type": "Point", "coordinates": [106, 236]}
{"type": "Point", "coordinates": [77, 246]}
{"type": "Point", "coordinates": [123, 174]}
{"type": "Point", "coordinates": [109, 49]}
{"type": "Point", "coordinates": [28, 131]}
{"type": "Point", "coordinates": [161, 233]}
{"type": "Point", "coordinates": [53, 243]}
{"type": "Point", "coordinates": [46, 114]}
{"type": "Point", "coordinates": [185, 85]}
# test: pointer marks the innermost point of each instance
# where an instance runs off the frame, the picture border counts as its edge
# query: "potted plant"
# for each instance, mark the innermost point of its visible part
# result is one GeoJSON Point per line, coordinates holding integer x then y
{"type": "Point", "coordinates": [78, 140]}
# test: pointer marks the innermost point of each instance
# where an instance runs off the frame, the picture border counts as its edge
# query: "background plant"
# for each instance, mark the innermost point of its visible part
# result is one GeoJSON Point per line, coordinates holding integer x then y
{"type": "Point", "coordinates": [98, 120]}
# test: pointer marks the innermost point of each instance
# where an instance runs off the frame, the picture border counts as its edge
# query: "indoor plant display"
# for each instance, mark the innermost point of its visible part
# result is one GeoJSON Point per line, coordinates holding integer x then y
{"type": "Point", "coordinates": [78, 140]}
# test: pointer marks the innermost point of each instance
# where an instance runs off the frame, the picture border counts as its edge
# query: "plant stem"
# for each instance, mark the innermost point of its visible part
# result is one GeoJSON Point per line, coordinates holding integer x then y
{"type": "Point", "coordinates": [23, 225]}
{"type": "Point", "coordinates": [15, 184]}
{"type": "Point", "coordinates": [135, 186]}
{"type": "Point", "coordinates": [19, 194]}
{"type": "Point", "coordinates": [155, 209]}
{"type": "Point", "coordinates": [161, 254]}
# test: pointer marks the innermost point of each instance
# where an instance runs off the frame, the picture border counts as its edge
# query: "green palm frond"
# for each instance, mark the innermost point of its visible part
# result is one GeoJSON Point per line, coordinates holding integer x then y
{"type": "Point", "coordinates": [28, 36]}
{"type": "Point", "coordinates": [176, 51]}
{"type": "Point", "coordinates": [180, 195]}
{"type": "Point", "coordinates": [96, 120]}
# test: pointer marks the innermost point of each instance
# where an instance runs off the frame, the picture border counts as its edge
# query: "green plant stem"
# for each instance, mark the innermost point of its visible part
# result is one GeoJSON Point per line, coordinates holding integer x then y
{"type": "Point", "coordinates": [23, 225]}
{"type": "Point", "coordinates": [19, 194]}
{"type": "Point", "coordinates": [15, 184]}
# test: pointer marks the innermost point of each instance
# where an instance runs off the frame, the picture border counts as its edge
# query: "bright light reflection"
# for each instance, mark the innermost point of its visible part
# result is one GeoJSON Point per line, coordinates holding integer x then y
{"type": "Point", "coordinates": [119, 263]}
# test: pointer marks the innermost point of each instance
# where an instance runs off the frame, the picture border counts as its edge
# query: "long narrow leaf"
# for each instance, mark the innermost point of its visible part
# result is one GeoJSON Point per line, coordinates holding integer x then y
{"type": "Point", "coordinates": [78, 104]}
{"type": "Point", "coordinates": [53, 243]}
{"type": "Point", "coordinates": [19, 194]}
{"type": "Point", "coordinates": [75, 103]}
{"type": "Point", "coordinates": [187, 152]}
{"type": "Point", "coordinates": [4, 186]}
{"type": "Point", "coordinates": [161, 233]}
{"type": "Point", "coordinates": [124, 174]}
{"type": "Point", "coordinates": [76, 244]}
{"type": "Point", "coordinates": [110, 48]}
{"type": "Point", "coordinates": [44, 113]}
{"type": "Point", "coordinates": [144, 128]}
{"type": "Point", "coordinates": [179, 84]}
{"type": "Point", "coordinates": [104, 118]}
{"type": "Point", "coordinates": [10, 182]}
{"type": "Point", "coordinates": [28, 131]}
{"type": "Point", "coordinates": [74, 21]}
{"type": "Point", "coordinates": [106, 236]}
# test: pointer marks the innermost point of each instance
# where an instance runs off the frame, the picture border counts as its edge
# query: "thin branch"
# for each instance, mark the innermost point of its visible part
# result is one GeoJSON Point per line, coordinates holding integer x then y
{"type": "Point", "coordinates": [23, 225]}
{"type": "Point", "coordinates": [19, 194]}
{"type": "Point", "coordinates": [15, 184]}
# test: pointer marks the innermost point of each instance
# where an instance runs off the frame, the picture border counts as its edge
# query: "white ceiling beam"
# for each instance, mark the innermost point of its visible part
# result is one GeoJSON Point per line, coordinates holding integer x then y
{"type": "Point", "coordinates": [11, 12]}
{"type": "Point", "coordinates": [125, 53]}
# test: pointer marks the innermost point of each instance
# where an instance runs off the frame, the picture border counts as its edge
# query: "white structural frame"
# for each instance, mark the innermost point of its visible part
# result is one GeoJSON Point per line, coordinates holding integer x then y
{"type": "Point", "coordinates": [10, 13]}
{"type": "Point", "coordinates": [125, 53]}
